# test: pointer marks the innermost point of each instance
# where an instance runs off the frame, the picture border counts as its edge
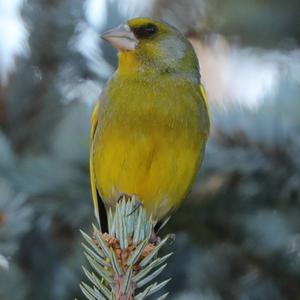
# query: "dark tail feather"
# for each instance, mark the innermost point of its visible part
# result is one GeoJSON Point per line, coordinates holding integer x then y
{"type": "Point", "coordinates": [161, 224]}
{"type": "Point", "coordinates": [102, 215]}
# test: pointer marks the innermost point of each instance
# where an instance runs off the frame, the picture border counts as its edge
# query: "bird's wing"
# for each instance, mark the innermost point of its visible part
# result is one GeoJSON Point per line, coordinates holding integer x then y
{"type": "Point", "coordinates": [92, 171]}
{"type": "Point", "coordinates": [99, 208]}
{"type": "Point", "coordinates": [203, 93]}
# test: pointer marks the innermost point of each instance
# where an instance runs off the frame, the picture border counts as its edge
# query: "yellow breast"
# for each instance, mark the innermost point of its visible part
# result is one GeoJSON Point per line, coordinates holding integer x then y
{"type": "Point", "coordinates": [150, 141]}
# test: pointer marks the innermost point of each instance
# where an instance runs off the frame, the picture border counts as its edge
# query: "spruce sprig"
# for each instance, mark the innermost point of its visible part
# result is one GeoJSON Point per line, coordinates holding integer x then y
{"type": "Point", "coordinates": [125, 260]}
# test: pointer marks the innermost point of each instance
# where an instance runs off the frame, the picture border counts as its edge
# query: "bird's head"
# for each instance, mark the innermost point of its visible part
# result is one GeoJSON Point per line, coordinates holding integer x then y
{"type": "Point", "coordinates": [149, 45]}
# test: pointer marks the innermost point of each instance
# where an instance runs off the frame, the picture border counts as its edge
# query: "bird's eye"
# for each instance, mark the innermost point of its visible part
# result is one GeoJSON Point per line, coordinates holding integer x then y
{"type": "Point", "coordinates": [145, 31]}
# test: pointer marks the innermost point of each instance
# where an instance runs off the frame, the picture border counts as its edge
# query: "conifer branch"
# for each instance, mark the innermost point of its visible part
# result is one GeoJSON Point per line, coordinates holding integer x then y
{"type": "Point", "coordinates": [125, 260]}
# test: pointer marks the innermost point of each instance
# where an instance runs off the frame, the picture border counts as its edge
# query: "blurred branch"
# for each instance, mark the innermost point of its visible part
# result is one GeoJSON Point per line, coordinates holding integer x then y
{"type": "Point", "coordinates": [227, 232]}
{"type": "Point", "coordinates": [2, 106]}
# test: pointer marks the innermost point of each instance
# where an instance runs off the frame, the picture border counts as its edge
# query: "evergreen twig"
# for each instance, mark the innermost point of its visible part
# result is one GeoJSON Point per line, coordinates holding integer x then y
{"type": "Point", "coordinates": [125, 260]}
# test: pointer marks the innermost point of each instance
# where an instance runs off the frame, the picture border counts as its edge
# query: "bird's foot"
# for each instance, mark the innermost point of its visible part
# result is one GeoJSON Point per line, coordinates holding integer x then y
{"type": "Point", "coordinates": [127, 197]}
{"type": "Point", "coordinates": [124, 196]}
{"type": "Point", "coordinates": [137, 205]}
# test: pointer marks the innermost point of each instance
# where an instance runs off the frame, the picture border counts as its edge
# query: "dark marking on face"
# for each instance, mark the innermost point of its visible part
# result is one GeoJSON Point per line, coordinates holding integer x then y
{"type": "Point", "coordinates": [145, 31]}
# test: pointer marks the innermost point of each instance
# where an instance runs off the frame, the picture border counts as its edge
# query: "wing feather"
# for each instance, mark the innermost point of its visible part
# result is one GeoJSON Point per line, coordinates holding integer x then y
{"type": "Point", "coordinates": [203, 93]}
{"type": "Point", "coordinates": [92, 171]}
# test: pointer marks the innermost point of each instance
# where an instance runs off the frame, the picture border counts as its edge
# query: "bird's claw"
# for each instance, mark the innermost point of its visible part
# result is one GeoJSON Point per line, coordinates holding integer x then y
{"type": "Point", "coordinates": [137, 205]}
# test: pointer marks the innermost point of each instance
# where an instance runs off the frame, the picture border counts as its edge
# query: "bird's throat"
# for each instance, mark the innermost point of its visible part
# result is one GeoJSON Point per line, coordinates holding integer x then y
{"type": "Point", "coordinates": [128, 63]}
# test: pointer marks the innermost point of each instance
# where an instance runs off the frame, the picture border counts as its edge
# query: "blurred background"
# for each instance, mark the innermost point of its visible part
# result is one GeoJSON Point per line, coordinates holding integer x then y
{"type": "Point", "coordinates": [238, 235]}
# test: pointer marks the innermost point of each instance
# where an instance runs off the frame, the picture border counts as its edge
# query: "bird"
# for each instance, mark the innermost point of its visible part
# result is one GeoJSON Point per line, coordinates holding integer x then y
{"type": "Point", "coordinates": [151, 124]}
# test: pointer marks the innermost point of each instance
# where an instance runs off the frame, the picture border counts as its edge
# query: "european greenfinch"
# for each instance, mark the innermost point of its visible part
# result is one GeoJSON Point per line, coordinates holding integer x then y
{"type": "Point", "coordinates": [151, 124]}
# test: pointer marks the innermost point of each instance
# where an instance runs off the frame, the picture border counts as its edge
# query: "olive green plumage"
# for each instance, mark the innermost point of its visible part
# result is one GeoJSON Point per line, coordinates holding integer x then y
{"type": "Point", "coordinates": [151, 124]}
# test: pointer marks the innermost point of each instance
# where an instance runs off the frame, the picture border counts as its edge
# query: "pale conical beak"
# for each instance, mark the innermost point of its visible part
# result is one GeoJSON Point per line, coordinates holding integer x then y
{"type": "Point", "coordinates": [121, 37]}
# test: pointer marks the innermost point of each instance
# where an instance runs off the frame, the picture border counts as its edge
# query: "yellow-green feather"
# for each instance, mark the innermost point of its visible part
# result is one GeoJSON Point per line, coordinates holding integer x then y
{"type": "Point", "coordinates": [149, 132]}
{"type": "Point", "coordinates": [94, 123]}
{"type": "Point", "coordinates": [151, 142]}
